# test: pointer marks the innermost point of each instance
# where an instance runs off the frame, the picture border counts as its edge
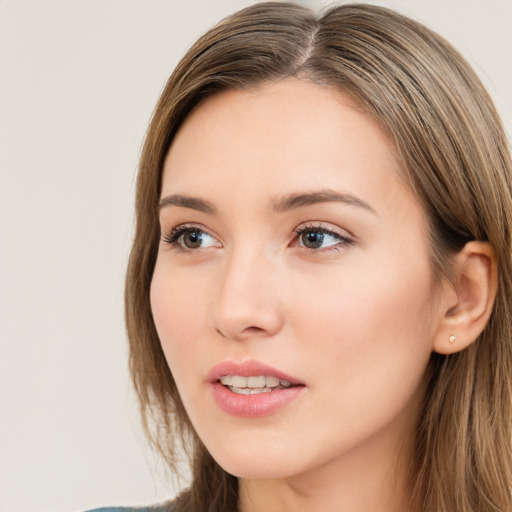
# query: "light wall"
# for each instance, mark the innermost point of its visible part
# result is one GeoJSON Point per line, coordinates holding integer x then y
{"type": "Point", "coordinates": [78, 82]}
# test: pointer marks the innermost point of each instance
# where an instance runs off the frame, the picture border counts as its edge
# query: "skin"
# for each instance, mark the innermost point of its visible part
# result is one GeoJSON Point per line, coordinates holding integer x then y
{"type": "Point", "coordinates": [354, 322]}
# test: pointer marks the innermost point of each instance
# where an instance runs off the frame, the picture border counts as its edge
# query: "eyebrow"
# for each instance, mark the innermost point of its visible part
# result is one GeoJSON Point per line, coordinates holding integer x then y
{"type": "Point", "coordinates": [194, 203]}
{"type": "Point", "coordinates": [279, 205]}
{"type": "Point", "coordinates": [300, 200]}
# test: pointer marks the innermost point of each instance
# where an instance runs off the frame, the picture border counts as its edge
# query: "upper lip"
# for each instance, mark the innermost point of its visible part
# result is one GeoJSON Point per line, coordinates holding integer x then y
{"type": "Point", "coordinates": [248, 369]}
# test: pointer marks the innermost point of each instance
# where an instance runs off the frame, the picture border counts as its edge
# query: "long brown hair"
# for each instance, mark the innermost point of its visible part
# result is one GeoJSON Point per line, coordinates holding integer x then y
{"type": "Point", "coordinates": [457, 161]}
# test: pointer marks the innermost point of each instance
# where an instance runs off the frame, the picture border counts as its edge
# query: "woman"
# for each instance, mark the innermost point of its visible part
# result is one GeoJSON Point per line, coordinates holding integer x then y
{"type": "Point", "coordinates": [319, 294]}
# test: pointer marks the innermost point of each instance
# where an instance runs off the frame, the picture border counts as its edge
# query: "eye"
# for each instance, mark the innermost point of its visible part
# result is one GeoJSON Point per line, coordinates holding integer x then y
{"type": "Point", "coordinates": [317, 238]}
{"type": "Point", "coordinates": [190, 238]}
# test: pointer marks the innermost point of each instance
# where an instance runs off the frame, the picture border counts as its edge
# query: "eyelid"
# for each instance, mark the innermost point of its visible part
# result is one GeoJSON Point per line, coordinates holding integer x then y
{"type": "Point", "coordinates": [172, 236]}
{"type": "Point", "coordinates": [323, 226]}
{"type": "Point", "coordinates": [345, 237]}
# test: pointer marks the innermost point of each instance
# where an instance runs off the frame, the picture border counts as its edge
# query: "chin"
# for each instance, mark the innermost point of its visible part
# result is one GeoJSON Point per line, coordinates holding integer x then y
{"type": "Point", "coordinates": [259, 464]}
{"type": "Point", "coordinates": [258, 471]}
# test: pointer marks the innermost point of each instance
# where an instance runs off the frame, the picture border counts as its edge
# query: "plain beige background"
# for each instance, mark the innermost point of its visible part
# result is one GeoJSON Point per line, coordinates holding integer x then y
{"type": "Point", "coordinates": [78, 82]}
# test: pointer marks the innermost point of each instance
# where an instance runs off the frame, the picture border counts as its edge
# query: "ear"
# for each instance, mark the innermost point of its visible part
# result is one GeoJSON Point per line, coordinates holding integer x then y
{"type": "Point", "coordinates": [468, 301]}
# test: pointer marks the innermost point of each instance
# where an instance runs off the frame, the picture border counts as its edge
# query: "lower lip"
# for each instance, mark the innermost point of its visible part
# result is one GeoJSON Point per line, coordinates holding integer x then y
{"type": "Point", "coordinates": [253, 406]}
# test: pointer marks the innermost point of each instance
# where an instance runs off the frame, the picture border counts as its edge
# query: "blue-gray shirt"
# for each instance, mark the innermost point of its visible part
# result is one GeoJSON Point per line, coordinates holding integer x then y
{"type": "Point", "coordinates": [158, 508]}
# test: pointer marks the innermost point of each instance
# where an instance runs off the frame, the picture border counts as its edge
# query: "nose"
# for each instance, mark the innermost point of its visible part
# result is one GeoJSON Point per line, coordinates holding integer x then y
{"type": "Point", "coordinates": [247, 304]}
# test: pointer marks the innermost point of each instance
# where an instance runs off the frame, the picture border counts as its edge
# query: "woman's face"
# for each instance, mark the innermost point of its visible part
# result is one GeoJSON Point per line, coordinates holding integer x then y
{"type": "Point", "coordinates": [292, 292]}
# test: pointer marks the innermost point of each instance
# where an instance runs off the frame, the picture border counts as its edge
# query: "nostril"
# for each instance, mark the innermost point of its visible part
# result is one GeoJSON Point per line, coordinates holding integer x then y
{"type": "Point", "coordinates": [245, 333]}
{"type": "Point", "coordinates": [252, 330]}
{"type": "Point", "coordinates": [236, 317]}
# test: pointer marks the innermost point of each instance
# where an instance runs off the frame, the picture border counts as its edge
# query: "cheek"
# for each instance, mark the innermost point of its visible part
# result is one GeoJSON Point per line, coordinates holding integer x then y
{"type": "Point", "coordinates": [179, 309]}
{"type": "Point", "coordinates": [365, 341]}
{"type": "Point", "coordinates": [369, 330]}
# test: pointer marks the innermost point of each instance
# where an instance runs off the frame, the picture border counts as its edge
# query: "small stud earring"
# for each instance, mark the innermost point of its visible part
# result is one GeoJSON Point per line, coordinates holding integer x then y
{"type": "Point", "coordinates": [452, 339]}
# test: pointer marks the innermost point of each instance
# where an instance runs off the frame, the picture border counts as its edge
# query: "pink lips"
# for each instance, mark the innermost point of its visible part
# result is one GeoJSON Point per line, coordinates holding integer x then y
{"type": "Point", "coordinates": [251, 406]}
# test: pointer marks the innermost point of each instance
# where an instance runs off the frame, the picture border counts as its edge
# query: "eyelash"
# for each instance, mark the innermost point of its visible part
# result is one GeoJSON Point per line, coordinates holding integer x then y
{"type": "Point", "coordinates": [174, 236]}
{"type": "Point", "coordinates": [343, 240]}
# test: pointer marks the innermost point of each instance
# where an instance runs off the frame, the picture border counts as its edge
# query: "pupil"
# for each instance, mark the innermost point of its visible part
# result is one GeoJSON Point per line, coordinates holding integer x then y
{"type": "Point", "coordinates": [313, 240]}
{"type": "Point", "coordinates": [192, 239]}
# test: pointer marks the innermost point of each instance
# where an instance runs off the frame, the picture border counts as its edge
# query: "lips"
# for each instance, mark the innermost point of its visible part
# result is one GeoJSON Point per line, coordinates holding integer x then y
{"type": "Point", "coordinates": [252, 389]}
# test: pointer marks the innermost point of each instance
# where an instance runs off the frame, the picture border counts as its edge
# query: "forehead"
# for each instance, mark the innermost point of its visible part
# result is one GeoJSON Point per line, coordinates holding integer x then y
{"type": "Point", "coordinates": [292, 133]}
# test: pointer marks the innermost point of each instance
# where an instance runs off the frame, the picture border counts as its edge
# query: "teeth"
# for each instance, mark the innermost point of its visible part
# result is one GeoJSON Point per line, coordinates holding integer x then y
{"type": "Point", "coordinates": [249, 391]}
{"type": "Point", "coordinates": [239, 381]}
{"type": "Point", "coordinates": [254, 384]}
{"type": "Point", "coordinates": [241, 391]}
{"type": "Point", "coordinates": [271, 382]}
{"type": "Point", "coordinates": [227, 380]}
{"type": "Point", "coordinates": [255, 391]}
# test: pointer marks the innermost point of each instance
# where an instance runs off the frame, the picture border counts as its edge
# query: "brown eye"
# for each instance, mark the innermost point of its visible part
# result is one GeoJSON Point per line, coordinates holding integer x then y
{"type": "Point", "coordinates": [192, 239]}
{"type": "Point", "coordinates": [312, 239]}
{"type": "Point", "coordinates": [320, 239]}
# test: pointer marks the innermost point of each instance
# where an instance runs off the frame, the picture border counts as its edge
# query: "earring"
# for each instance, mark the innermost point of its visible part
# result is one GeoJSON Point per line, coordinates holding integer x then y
{"type": "Point", "coordinates": [452, 338]}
